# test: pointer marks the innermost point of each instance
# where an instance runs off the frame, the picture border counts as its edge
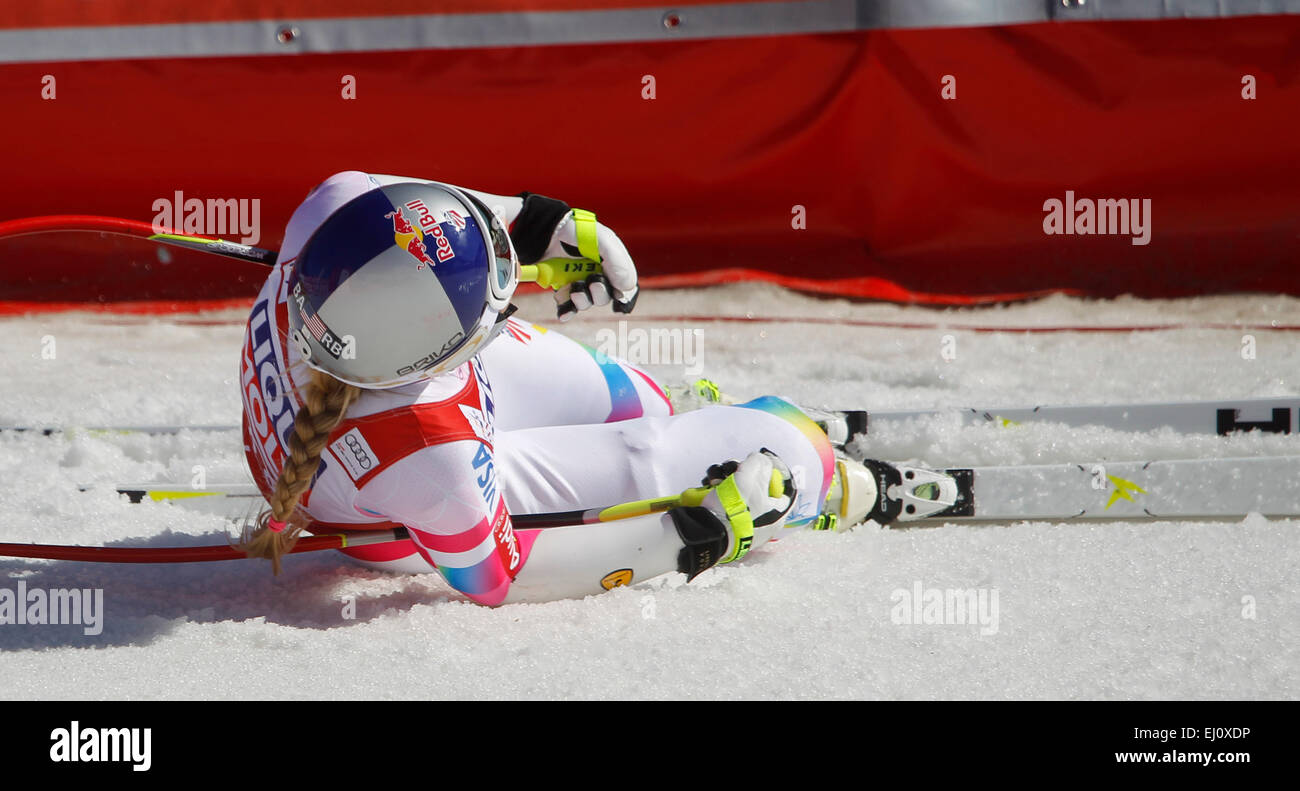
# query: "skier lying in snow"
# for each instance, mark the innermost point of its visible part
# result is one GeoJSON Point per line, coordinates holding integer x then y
{"type": "Point", "coordinates": [384, 383]}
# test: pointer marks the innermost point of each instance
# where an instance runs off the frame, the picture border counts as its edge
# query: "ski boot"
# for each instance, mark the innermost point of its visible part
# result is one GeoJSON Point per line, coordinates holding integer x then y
{"type": "Point", "coordinates": [847, 430]}
{"type": "Point", "coordinates": [692, 395]}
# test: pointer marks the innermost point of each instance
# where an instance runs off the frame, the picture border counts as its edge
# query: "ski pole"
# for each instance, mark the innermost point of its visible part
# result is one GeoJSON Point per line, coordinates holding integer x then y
{"type": "Point", "coordinates": [552, 273]}
{"type": "Point", "coordinates": [343, 540]}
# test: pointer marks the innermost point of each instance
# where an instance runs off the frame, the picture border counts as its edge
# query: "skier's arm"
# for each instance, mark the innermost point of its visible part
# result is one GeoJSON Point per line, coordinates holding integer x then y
{"type": "Point", "coordinates": [531, 218]}
{"type": "Point", "coordinates": [506, 207]}
{"type": "Point", "coordinates": [544, 229]}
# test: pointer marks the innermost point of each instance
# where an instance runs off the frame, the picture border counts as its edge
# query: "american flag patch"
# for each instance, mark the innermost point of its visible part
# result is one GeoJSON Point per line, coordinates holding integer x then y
{"type": "Point", "coordinates": [314, 325]}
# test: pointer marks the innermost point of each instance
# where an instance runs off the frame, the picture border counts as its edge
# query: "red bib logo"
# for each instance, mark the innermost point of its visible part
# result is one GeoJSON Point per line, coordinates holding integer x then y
{"type": "Point", "coordinates": [503, 533]}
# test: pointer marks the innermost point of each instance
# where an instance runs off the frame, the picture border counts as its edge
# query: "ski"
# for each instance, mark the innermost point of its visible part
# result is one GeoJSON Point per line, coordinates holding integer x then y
{"type": "Point", "coordinates": [231, 500]}
{"type": "Point", "coordinates": [111, 430]}
{"type": "Point", "coordinates": [1155, 490]}
{"type": "Point", "coordinates": [1220, 416]}
{"type": "Point", "coordinates": [905, 496]}
{"type": "Point", "coordinates": [1279, 415]}
{"type": "Point", "coordinates": [1170, 489]}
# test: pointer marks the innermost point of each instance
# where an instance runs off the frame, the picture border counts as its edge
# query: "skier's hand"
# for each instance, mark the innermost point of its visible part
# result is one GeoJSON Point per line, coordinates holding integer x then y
{"type": "Point", "coordinates": [748, 496]}
{"type": "Point", "coordinates": [578, 237]}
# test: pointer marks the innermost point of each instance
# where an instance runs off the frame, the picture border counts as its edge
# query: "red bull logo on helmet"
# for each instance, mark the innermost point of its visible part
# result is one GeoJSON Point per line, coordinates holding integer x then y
{"type": "Point", "coordinates": [412, 236]}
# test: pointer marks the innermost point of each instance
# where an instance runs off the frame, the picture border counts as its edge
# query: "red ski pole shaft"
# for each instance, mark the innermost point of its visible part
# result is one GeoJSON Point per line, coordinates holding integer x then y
{"type": "Point", "coordinates": [189, 554]}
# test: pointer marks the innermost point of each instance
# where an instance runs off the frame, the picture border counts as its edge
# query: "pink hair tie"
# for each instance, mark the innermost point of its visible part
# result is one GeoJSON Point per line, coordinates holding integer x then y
{"type": "Point", "coordinates": [275, 525]}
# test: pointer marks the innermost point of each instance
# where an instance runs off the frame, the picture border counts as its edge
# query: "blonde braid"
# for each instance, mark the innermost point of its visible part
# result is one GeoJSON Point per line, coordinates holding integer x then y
{"type": "Point", "coordinates": [324, 403]}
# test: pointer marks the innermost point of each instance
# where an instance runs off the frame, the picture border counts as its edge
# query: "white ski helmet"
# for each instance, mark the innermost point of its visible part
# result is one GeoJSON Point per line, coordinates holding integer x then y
{"type": "Point", "coordinates": [401, 283]}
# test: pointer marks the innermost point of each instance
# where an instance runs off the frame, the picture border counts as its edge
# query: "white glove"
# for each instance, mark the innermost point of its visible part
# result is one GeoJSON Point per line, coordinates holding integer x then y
{"type": "Point", "coordinates": [752, 499]}
{"type": "Point", "coordinates": [617, 278]}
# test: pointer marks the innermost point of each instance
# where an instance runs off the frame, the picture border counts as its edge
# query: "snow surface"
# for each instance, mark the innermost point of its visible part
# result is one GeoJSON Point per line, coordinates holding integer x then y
{"type": "Point", "coordinates": [1130, 610]}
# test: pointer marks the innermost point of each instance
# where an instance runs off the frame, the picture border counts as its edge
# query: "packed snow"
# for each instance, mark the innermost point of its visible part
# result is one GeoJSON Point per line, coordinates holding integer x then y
{"type": "Point", "coordinates": [1200, 610]}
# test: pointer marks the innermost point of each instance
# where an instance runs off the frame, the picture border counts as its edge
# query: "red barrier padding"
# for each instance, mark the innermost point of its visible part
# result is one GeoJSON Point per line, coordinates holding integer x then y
{"type": "Point", "coordinates": [905, 195]}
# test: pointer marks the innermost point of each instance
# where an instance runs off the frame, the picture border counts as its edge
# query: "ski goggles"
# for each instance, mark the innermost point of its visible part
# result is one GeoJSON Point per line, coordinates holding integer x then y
{"type": "Point", "coordinates": [502, 280]}
{"type": "Point", "coordinates": [503, 264]}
